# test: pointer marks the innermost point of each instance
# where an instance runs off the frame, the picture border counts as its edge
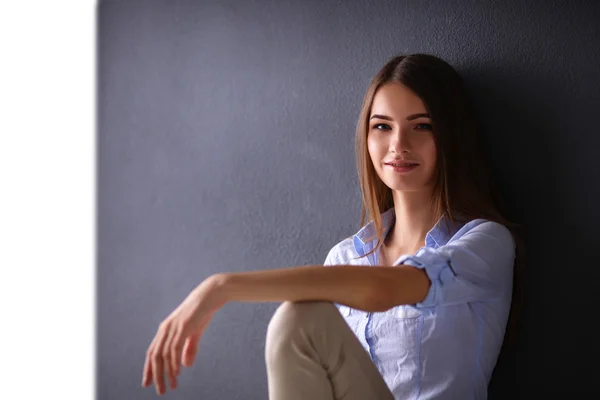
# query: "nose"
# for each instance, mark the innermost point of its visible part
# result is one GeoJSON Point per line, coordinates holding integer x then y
{"type": "Point", "coordinates": [399, 142]}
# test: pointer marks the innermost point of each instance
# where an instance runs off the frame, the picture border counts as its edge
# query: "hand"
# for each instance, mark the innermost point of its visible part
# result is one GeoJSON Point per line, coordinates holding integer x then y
{"type": "Point", "coordinates": [176, 341]}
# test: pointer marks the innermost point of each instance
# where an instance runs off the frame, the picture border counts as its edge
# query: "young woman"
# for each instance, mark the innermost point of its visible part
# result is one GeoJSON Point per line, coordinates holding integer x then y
{"type": "Point", "coordinates": [416, 303]}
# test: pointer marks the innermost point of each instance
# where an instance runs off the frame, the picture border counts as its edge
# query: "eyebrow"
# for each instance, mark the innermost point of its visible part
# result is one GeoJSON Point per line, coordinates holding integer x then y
{"type": "Point", "coordinates": [409, 118]}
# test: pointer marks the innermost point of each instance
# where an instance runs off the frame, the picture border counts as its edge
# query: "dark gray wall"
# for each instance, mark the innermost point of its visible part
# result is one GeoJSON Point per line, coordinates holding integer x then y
{"type": "Point", "coordinates": [225, 139]}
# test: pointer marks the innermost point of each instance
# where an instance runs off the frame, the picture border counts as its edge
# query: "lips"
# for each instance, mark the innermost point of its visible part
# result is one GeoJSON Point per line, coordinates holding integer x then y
{"type": "Point", "coordinates": [402, 166]}
{"type": "Point", "coordinates": [402, 163]}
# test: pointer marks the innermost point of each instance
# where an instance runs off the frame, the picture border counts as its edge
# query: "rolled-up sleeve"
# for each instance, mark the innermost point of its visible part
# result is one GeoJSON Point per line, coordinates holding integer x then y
{"type": "Point", "coordinates": [475, 267]}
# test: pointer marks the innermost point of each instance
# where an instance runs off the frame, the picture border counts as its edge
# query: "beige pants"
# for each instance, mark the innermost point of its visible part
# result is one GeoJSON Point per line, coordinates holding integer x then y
{"type": "Point", "coordinates": [311, 354]}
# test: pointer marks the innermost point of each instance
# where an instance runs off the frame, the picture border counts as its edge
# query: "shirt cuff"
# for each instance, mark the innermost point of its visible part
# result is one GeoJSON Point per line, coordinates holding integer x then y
{"type": "Point", "coordinates": [438, 271]}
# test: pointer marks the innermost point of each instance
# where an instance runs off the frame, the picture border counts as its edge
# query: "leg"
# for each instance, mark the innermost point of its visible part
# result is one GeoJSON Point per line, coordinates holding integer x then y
{"type": "Point", "coordinates": [311, 353]}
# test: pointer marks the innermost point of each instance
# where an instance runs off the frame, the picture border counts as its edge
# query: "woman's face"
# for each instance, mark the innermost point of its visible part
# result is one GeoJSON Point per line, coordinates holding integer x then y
{"type": "Point", "coordinates": [400, 132]}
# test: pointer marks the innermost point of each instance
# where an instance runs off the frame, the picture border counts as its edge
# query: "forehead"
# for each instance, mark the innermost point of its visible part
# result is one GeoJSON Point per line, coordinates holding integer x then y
{"type": "Point", "coordinates": [397, 101]}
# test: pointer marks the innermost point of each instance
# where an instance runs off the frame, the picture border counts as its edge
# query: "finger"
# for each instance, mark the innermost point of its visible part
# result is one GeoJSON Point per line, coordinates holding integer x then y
{"type": "Point", "coordinates": [190, 349]}
{"type": "Point", "coordinates": [157, 373]}
{"type": "Point", "coordinates": [166, 355]}
{"type": "Point", "coordinates": [176, 348]}
{"type": "Point", "coordinates": [191, 344]}
{"type": "Point", "coordinates": [147, 373]}
{"type": "Point", "coordinates": [157, 360]}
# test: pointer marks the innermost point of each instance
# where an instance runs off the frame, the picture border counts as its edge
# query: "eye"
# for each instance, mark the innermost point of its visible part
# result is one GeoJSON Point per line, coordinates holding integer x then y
{"type": "Point", "coordinates": [424, 127]}
{"type": "Point", "coordinates": [385, 127]}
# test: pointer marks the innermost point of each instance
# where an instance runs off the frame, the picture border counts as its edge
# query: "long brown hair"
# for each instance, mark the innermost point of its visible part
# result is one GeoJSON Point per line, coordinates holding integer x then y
{"type": "Point", "coordinates": [464, 189]}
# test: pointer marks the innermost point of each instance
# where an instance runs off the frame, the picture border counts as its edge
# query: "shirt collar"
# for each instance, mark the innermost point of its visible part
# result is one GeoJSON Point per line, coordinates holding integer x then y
{"type": "Point", "coordinates": [439, 235]}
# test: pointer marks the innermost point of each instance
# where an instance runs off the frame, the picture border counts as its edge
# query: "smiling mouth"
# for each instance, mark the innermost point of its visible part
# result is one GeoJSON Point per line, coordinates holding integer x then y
{"type": "Point", "coordinates": [402, 164]}
{"type": "Point", "coordinates": [403, 167]}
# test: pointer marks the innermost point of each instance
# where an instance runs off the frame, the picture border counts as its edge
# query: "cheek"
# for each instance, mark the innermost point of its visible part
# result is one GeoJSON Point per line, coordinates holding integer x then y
{"type": "Point", "coordinates": [431, 155]}
{"type": "Point", "coordinates": [426, 148]}
{"type": "Point", "coordinates": [372, 147]}
{"type": "Point", "coordinates": [432, 152]}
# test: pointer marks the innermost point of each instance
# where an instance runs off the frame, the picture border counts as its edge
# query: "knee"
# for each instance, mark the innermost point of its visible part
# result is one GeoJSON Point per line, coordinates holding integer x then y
{"type": "Point", "coordinates": [286, 319]}
{"type": "Point", "coordinates": [293, 315]}
{"type": "Point", "coordinates": [296, 320]}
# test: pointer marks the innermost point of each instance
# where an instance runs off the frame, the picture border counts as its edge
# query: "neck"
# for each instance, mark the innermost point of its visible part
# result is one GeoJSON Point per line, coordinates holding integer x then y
{"type": "Point", "coordinates": [414, 218]}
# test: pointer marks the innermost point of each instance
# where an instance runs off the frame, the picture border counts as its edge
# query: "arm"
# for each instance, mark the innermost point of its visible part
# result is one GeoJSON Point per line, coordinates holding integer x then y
{"type": "Point", "coordinates": [366, 288]}
{"type": "Point", "coordinates": [476, 267]}
{"type": "Point", "coordinates": [359, 287]}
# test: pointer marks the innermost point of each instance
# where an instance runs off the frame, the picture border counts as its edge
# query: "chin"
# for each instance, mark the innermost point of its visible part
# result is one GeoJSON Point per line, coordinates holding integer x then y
{"type": "Point", "coordinates": [406, 185]}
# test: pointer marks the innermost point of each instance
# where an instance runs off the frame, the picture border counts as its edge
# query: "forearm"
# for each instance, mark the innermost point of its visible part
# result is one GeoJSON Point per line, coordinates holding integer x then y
{"type": "Point", "coordinates": [364, 288]}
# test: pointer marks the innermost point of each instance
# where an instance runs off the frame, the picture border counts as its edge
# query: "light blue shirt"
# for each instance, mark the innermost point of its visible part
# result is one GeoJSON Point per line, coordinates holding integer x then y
{"type": "Point", "coordinates": [445, 347]}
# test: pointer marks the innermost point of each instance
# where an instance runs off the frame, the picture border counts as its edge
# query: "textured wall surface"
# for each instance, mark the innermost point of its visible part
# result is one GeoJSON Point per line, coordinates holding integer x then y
{"type": "Point", "coordinates": [225, 140]}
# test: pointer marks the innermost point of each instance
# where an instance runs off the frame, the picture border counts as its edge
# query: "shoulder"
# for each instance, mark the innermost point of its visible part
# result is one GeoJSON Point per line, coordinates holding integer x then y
{"type": "Point", "coordinates": [485, 230]}
{"type": "Point", "coordinates": [485, 226]}
{"type": "Point", "coordinates": [341, 252]}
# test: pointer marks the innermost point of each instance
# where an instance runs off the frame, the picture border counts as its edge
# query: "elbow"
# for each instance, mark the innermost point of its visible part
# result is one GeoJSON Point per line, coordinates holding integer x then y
{"type": "Point", "coordinates": [402, 285]}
